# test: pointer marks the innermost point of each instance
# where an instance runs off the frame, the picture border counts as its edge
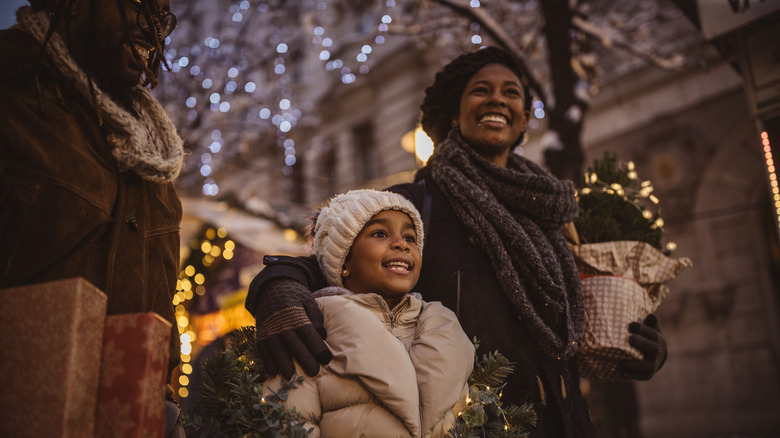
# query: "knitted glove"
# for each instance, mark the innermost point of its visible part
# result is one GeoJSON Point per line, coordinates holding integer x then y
{"type": "Point", "coordinates": [648, 339]}
{"type": "Point", "coordinates": [290, 325]}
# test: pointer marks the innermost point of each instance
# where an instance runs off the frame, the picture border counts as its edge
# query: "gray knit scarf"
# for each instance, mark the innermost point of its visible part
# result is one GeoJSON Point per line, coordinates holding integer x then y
{"type": "Point", "coordinates": [515, 214]}
{"type": "Point", "coordinates": [145, 142]}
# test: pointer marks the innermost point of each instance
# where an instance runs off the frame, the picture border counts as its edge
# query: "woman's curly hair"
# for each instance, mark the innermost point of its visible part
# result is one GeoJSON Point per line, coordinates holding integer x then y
{"type": "Point", "coordinates": [442, 99]}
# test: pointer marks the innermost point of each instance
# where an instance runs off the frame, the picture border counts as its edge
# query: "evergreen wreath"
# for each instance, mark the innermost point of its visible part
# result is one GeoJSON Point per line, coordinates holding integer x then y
{"type": "Point", "coordinates": [614, 206]}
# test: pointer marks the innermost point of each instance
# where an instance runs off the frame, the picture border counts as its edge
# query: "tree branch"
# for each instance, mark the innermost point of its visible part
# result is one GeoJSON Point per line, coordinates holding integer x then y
{"type": "Point", "coordinates": [614, 39]}
{"type": "Point", "coordinates": [481, 16]}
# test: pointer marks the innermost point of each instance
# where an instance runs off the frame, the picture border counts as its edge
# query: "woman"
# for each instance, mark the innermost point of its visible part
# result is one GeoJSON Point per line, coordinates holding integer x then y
{"type": "Point", "coordinates": [495, 252]}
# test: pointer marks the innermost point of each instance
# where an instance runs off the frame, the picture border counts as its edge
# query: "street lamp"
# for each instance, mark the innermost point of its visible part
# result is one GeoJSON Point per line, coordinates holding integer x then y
{"type": "Point", "coordinates": [418, 143]}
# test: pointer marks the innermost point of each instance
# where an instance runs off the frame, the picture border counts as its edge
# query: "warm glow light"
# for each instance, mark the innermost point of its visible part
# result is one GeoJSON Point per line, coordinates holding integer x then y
{"type": "Point", "coordinates": [186, 368]}
{"type": "Point", "coordinates": [290, 235]}
{"type": "Point", "coordinates": [184, 380]}
{"type": "Point", "coordinates": [229, 244]}
{"type": "Point", "coordinates": [423, 145]}
{"type": "Point", "coordinates": [770, 167]}
{"type": "Point", "coordinates": [199, 279]}
{"type": "Point", "coordinates": [183, 392]}
{"type": "Point", "coordinates": [189, 270]}
{"type": "Point", "coordinates": [205, 247]}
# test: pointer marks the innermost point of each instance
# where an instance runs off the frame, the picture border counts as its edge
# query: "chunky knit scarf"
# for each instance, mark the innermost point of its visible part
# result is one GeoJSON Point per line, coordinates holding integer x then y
{"type": "Point", "coordinates": [145, 142]}
{"type": "Point", "coordinates": [515, 214]}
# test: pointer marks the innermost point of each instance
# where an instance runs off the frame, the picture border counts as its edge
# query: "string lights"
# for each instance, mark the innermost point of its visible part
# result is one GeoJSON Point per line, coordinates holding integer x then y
{"type": "Point", "coordinates": [223, 78]}
{"type": "Point", "coordinates": [191, 283]}
{"type": "Point", "coordinates": [772, 172]}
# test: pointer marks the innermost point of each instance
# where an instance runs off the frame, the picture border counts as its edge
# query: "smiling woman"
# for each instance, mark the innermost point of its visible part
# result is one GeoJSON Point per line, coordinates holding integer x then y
{"type": "Point", "coordinates": [492, 115]}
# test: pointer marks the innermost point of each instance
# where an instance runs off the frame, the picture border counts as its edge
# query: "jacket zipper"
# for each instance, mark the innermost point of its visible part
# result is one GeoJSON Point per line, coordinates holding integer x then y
{"type": "Point", "coordinates": [397, 312]}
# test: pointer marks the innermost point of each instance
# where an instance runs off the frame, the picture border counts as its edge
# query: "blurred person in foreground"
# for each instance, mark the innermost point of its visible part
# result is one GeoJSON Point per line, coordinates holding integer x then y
{"type": "Point", "coordinates": [496, 253]}
{"type": "Point", "coordinates": [88, 156]}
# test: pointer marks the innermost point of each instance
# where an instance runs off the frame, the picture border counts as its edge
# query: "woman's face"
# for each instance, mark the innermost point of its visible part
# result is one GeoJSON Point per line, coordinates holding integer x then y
{"type": "Point", "coordinates": [492, 112]}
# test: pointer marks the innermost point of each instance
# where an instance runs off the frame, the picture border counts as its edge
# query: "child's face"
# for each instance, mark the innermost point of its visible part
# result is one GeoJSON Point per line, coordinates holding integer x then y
{"type": "Point", "coordinates": [384, 258]}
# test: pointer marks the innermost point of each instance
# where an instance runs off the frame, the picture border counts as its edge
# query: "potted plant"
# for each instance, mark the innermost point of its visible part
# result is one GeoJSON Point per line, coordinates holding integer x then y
{"type": "Point", "coordinates": [622, 262]}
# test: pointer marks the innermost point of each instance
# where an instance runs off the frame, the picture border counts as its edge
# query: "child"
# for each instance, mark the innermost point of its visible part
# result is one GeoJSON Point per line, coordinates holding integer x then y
{"type": "Point", "coordinates": [400, 365]}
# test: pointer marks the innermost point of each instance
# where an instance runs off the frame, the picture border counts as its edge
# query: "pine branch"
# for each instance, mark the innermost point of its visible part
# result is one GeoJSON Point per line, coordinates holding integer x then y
{"type": "Point", "coordinates": [492, 370]}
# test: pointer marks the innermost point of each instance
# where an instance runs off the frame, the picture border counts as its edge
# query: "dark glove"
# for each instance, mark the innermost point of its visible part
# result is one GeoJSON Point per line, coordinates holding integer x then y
{"type": "Point", "coordinates": [648, 339]}
{"type": "Point", "coordinates": [289, 325]}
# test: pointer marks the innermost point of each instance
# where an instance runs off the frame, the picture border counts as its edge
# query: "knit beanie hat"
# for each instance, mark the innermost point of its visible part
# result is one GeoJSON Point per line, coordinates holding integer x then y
{"type": "Point", "coordinates": [342, 219]}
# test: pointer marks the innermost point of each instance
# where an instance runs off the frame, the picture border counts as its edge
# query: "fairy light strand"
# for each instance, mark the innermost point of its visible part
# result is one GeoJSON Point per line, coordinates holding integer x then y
{"type": "Point", "coordinates": [189, 284]}
{"type": "Point", "coordinates": [772, 173]}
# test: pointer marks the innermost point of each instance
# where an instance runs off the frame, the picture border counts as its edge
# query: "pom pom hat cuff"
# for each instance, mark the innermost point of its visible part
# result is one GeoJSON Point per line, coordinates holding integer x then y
{"type": "Point", "coordinates": [338, 224]}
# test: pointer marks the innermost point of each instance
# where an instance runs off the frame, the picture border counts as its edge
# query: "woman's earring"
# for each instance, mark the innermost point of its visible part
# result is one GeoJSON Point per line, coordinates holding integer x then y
{"type": "Point", "coordinates": [344, 273]}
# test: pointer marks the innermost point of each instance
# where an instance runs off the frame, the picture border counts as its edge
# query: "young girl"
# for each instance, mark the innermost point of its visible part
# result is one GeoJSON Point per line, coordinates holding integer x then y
{"type": "Point", "coordinates": [400, 365]}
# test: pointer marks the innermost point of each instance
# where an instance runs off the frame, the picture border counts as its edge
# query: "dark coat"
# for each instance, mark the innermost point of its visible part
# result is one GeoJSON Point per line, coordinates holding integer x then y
{"type": "Point", "coordinates": [461, 277]}
{"type": "Point", "coordinates": [65, 209]}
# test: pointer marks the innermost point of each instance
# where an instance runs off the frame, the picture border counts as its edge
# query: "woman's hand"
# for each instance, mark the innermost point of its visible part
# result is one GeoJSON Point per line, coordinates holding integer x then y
{"type": "Point", "coordinates": [648, 339]}
{"type": "Point", "coordinates": [290, 326]}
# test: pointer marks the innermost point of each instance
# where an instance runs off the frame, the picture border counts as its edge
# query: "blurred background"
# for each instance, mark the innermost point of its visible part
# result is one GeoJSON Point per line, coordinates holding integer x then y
{"type": "Point", "coordinates": [283, 104]}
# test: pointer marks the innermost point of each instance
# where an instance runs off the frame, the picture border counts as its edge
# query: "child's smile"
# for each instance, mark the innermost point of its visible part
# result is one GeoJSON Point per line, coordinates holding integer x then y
{"type": "Point", "coordinates": [385, 258]}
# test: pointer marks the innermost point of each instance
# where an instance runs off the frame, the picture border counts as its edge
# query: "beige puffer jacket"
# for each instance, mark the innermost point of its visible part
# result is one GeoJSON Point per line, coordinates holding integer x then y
{"type": "Point", "coordinates": [395, 373]}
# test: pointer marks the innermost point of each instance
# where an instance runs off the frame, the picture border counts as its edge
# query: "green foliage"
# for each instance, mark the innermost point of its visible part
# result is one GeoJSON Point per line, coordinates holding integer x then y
{"type": "Point", "coordinates": [231, 396]}
{"type": "Point", "coordinates": [614, 206]}
{"type": "Point", "coordinates": [485, 416]}
{"type": "Point", "coordinates": [492, 370]}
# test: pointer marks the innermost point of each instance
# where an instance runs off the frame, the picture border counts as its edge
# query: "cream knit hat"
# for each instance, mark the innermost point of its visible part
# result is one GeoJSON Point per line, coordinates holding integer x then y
{"type": "Point", "coordinates": [339, 223]}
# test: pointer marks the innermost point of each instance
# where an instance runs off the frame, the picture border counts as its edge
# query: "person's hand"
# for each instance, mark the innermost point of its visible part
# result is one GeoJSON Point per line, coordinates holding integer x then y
{"type": "Point", "coordinates": [648, 339]}
{"type": "Point", "coordinates": [290, 325]}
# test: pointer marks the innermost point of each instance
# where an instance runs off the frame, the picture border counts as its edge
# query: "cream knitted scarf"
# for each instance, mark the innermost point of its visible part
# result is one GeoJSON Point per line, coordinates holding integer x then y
{"type": "Point", "coordinates": [146, 142]}
{"type": "Point", "coordinates": [514, 215]}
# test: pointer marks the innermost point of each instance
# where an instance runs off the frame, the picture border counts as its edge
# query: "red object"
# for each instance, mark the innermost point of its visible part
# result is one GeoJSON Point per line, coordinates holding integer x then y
{"type": "Point", "coordinates": [133, 376]}
{"type": "Point", "coordinates": [50, 342]}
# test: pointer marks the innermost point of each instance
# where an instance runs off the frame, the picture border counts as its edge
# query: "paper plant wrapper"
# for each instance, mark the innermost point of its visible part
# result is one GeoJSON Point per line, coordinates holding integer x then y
{"type": "Point", "coordinates": [133, 376]}
{"type": "Point", "coordinates": [50, 340]}
{"type": "Point", "coordinates": [622, 282]}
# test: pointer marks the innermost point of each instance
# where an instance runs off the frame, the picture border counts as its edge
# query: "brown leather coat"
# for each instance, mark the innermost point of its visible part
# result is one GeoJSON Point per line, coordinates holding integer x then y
{"type": "Point", "coordinates": [65, 210]}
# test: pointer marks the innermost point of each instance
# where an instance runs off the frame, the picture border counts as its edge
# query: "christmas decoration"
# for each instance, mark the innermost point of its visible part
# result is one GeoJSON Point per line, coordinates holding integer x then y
{"type": "Point", "coordinates": [232, 405]}
{"type": "Point", "coordinates": [230, 395]}
{"type": "Point", "coordinates": [50, 337]}
{"type": "Point", "coordinates": [485, 416]}
{"type": "Point", "coordinates": [621, 265]}
{"type": "Point", "coordinates": [133, 375]}
{"type": "Point", "coordinates": [615, 206]}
